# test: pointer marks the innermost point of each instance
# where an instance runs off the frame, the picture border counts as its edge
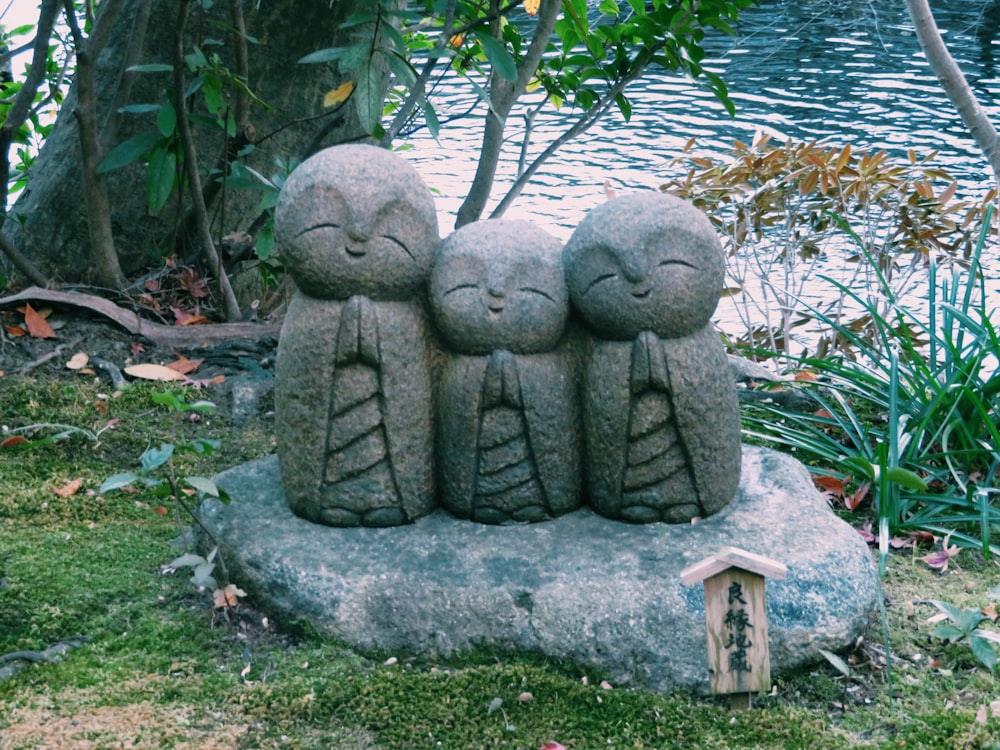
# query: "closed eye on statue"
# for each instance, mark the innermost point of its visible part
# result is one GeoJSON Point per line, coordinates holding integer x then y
{"type": "Point", "coordinates": [676, 262]}
{"type": "Point", "coordinates": [318, 226]}
{"type": "Point", "coordinates": [536, 291]}
{"type": "Point", "coordinates": [398, 242]}
{"type": "Point", "coordinates": [599, 279]}
{"type": "Point", "coordinates": [460, 287]}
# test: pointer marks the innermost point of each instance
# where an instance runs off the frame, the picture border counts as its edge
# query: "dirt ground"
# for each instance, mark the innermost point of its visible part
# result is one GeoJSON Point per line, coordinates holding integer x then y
{"type": "Point", "coordinates": [238, 369]}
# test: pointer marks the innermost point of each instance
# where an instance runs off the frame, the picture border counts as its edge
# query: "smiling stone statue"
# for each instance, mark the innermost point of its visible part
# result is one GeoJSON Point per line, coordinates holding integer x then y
{"type": "Point", "coordinates": [661, 417]}
{"type": "Point", "coordinates": [507, 416]}
{"type": "Point", "coordinates": [357, 228]}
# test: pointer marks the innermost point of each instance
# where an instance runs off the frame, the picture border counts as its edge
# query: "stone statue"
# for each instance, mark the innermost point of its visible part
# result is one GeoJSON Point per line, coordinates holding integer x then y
{"type": "Point", "coordinates": [508, 430]}
{"type": "Point", "coordinates": [357, 228]}
{"type": "Point", "coordinates": [661, 417]}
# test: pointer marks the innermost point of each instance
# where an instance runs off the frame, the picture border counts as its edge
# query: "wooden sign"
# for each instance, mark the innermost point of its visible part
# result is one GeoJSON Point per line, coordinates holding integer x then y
{"type": "Point", "coordinates": [736, 618]}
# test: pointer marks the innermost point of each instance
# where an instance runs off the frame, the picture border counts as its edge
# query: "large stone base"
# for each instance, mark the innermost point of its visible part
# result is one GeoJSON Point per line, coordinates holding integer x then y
{"type": "Point", "coordinates": [581, 587]}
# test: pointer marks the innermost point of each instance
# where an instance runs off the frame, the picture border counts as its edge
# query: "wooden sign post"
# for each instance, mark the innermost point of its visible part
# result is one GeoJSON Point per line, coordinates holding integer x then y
{"type": "Point", "coordinates": [739, 661]}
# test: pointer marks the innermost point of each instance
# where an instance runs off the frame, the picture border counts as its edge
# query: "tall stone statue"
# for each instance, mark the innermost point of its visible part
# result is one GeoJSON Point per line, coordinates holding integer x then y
{"type": "Point", "coordinates": [508, 430]}
{"type": "Point", "coordinates": [357, 227]}
{"type": "Point", "coordinates": [661, 418]}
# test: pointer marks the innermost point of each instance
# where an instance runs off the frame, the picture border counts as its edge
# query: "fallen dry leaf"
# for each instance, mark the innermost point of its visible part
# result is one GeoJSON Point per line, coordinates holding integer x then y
{"type": "Point", "coordinates": [69, 489]}
{"type": "Point", "coordinates": [78, 361]}
{"type": "Point", "coordinates": [12, 441]}
{"type": "Point", "coordinates": [153, 372]}
{"type": "Point", "coordinates": [184, 318]}
{"type": "Point", "coordinates": [183, 365]}
{"type": "Point", "coordinates": [38, 327]}
{"type": "Point", "coordinates": [14, 330]}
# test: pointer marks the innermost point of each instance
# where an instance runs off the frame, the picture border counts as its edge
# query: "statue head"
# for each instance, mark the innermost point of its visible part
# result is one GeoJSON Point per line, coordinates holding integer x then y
{"type": "Point", "coordinates": [499, 284]}
{"type": "Point", "coordinates": [356, 219]}
{"type": "Point", "coordinates": [645, 262]}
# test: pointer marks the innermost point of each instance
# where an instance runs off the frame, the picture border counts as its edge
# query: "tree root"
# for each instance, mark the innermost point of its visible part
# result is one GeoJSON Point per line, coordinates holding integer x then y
{"type": "Point", "coordinates": [17, 661]}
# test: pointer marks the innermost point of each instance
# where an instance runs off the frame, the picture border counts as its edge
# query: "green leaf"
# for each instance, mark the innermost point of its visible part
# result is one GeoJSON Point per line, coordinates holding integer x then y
{"type": "Point", "coordinates": [161, 177]}
{"type": "Point", "coordinates": [202, 575]}
{"type": "Point", "coordinates": [839, 664]}
{"type": "Point", "coordinates": [212, 91]}
{"type": "Point", "coordinates": [187, 560]}
{"type": "Point", "coordinates": [368, 96]}
{"type": "Point", "coordinates": [265, 241]}
{"type": "Point", "coordinates": [166, 120]}
{"type": "Point", "coordinates": [905, 478]}
{"type": "Point", "coordinates": [433, 125]}
{"type": "Point", "coordinates": [129, 152]}
{"type": "Point", "coordinates": [624, 106]}
{"type": "Point", "coordinates": [205, 446]}
{"type": "Point", "coordinates": [951, 610]}
{"type": "Point", "coordinates": [983, 651]}
{"type": "Point", "coordinates": [608, 7]}
{"type": "Point", "coordinates": [860, 464]}
{"type": "Point", "coordinates": [323, 55]}
{"type": "Point", "coordinates": [151, 68]}
{"type": "Point", "coordinates": [117, 481]}
{"type": "Point", "coordinates": [139, 109]}
{"type": "Point", "coordinates": [498, 55]}
{"type": "Point", "coordinates": [169, 399]}
{"type": "Point", "coordinates": [948, 633]}
{"type": "Point", "coordinates": [204, 485]}
{"type": "Point", "coordinates": [153, 458]}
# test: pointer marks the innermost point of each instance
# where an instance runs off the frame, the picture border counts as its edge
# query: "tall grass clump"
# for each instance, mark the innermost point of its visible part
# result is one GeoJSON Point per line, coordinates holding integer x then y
{"type": "Point", "coordinates": [909, 403]}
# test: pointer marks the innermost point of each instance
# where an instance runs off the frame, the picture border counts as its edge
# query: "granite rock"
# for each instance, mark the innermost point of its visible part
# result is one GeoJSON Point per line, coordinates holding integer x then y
{"type": "Point", "coordinates": [602, 593]}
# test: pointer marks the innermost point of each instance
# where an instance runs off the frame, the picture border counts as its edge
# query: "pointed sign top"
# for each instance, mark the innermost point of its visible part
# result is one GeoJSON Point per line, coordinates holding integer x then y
{"type": "Point", "coordinates": [732, 557]}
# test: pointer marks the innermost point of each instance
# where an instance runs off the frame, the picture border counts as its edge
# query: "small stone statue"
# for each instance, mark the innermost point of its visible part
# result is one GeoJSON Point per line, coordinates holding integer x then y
{"type": "Point", "coordinates": [357, 228]}
{"type": "Point", "coordinates": [508, 430]}
{"type": "Point", "coordinates": [661, 417]}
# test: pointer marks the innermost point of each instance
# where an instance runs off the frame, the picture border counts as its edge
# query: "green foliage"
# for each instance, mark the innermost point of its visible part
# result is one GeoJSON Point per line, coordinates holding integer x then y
{"type": "Point", "coordinates": [156, 468]}
{"type": "Point", "coordinates": [597, 54]}
{"type": "Point", "coordinates": [964, 624]}
{"type": "Point", "coordinates": [914, 409]}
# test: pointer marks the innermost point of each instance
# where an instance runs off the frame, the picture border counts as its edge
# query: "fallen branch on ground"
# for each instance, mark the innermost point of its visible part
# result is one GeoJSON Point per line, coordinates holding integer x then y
{"type": "Point", "coordinates": [18, 660]}
{"type": "Point", "coordinates": [159, 333]}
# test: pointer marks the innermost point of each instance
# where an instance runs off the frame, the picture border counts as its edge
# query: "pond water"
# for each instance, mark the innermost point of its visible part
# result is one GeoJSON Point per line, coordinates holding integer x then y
{"type": "Point", "coordinates": [851, 71]}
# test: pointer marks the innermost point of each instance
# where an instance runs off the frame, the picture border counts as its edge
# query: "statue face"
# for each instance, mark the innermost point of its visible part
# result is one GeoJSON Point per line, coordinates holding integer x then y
{"type": "Point", "coordinates": [499, 285]}
{"type": "Point", "coordinates": [356, 220]}
{"type": "Point", "coordinates": [646, 267]}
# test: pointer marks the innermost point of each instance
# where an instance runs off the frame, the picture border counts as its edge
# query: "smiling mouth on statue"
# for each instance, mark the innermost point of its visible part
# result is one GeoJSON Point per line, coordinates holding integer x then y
{"type": "Point", "coordinates": [641, 293]}
{"type": "Point", "coordinates": [355, 252]}
{"type": "Point", "coordinates": [495, 309]}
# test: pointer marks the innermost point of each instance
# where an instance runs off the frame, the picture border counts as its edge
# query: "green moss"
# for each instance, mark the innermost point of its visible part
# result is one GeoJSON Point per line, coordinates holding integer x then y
{"type": "Point", "coordinates": [157, 654]}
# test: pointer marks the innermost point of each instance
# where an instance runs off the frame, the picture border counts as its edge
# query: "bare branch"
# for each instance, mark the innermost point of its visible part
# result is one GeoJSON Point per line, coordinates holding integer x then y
{"type": "Point", "coordinates": [21, 107]}
{"type": "Point", "coordinates": [592, 116]}
{"type": "Point", "coordinates": [954, 83]}
{"type": "Point", "coordinates": [202, 229]}
{"type": "Point", "coordinates": [503, 95]}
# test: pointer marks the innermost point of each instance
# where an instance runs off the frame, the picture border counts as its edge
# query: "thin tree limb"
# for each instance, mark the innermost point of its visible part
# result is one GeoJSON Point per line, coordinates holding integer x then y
{"type": "Point", "coordinates": [595, 113]}
{"type": "Point", "coordinates": [21, 262]}
{"type": "Point", "coordinates": [21, 107]}
{"type": "Point", "coordinates": [202, 229]}
{"type": "Point", "coordinates": [503, 95]}
{"type": "Point", "coordinates": [954, 83]}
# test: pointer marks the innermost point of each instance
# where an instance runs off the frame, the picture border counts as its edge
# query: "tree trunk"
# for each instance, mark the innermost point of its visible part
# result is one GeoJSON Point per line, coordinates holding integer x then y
{"type": "Point", "coordinates": [954, 83]}
{"type": "Point", "coordinates": [49, 222]}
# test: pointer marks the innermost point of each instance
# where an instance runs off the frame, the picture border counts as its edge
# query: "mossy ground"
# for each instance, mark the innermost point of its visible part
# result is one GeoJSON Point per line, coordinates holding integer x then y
{"type": "Point", "coordinates": [161, 668]}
